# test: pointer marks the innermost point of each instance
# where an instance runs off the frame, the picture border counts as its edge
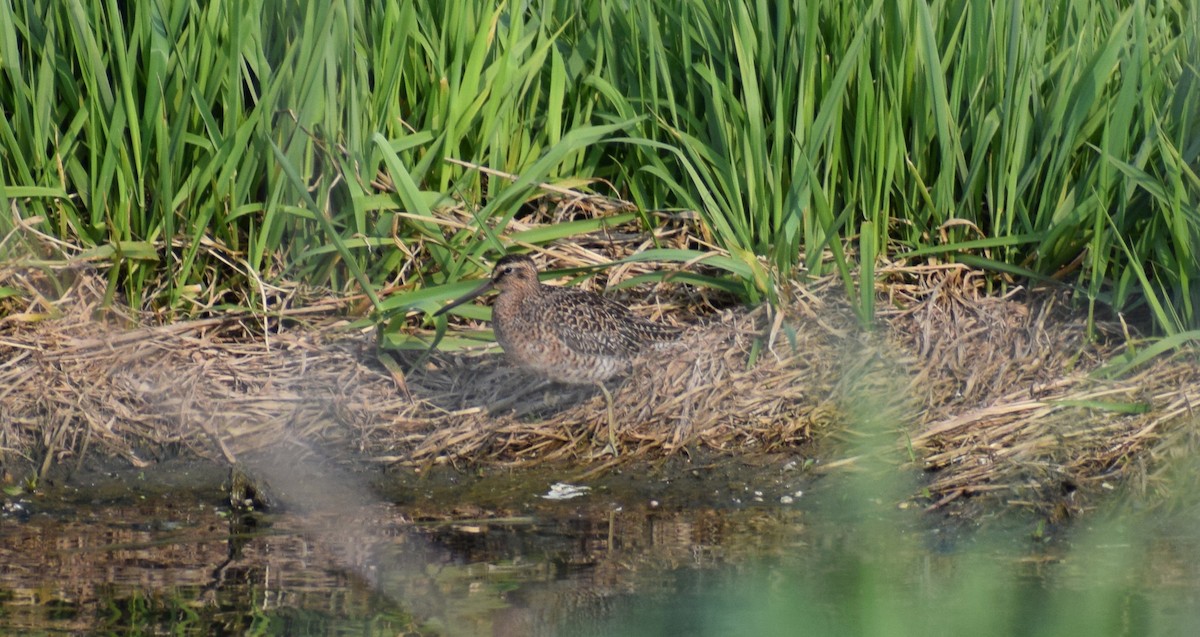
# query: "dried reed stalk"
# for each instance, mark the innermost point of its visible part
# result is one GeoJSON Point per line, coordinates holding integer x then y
{"type": "Point", "coordinates": [993, 393]}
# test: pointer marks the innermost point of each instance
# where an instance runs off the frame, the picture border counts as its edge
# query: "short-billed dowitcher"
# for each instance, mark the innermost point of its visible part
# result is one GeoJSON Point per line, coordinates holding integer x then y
{"type": "Point", "coordinates": [565, 334]}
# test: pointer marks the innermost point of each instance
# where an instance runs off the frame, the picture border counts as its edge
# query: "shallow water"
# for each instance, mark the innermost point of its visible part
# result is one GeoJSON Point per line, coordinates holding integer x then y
{"type": "Point", "coordinates": [494, 557]}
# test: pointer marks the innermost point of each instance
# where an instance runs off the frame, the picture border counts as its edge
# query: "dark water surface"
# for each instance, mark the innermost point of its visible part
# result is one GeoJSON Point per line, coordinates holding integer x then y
{"type": "Point", "coordinates": [698, 553]}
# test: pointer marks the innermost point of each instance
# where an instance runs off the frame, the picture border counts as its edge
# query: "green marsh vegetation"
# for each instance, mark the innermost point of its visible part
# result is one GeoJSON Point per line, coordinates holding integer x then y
{"type": "Point", "coordinates": [198, 153]}
{"type": "Point", "coordinates": [204, 156]}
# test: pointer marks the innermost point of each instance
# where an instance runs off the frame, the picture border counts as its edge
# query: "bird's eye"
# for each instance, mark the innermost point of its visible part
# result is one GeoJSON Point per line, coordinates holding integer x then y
{"type": "Point", "coordinates": [507, 269]}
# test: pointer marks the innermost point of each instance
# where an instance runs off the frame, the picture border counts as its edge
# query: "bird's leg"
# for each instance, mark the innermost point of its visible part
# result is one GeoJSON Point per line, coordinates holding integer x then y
{"type": "Point", "coordinates": [612, 421]}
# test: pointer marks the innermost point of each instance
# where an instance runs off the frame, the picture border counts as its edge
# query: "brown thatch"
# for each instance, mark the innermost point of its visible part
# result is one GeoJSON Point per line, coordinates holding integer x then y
{"type": "Point", "coordinates": [72, 382]}
{"type": "Point", "coordinates": [992, 392]}
{"type": "Point", "coordinates": [1013, 403]}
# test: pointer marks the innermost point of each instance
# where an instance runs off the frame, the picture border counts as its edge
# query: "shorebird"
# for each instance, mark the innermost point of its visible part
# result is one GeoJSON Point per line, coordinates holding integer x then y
{"type": "Point", "coordinates": [566, 335]}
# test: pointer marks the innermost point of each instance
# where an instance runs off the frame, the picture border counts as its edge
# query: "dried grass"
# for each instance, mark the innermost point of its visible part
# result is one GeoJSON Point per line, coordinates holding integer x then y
{"type": "Point", "coordinates": [992, 393]}
{"type": "Point", "coordinates": [1010, 405]}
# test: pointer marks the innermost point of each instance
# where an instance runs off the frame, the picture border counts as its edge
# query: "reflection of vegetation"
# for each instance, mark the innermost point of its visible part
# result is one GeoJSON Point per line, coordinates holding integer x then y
{"type": "Point", "coordinates": [59, 610]}
{"type": "Point", "coordinates": [889, 584]}
{"type": "Point", "coordinates": [160, 568]}
{"type": "Point", "coordinates": [850, 560]}
{"type": "Point", "coordinates": [179, 612]}
{"type": "Point", "coordinates": [295, 621]}
{"type": "Point", "coordinates": [141, 613]}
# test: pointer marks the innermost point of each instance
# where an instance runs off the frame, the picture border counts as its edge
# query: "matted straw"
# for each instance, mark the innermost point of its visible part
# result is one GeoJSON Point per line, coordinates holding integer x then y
{"type": "Point", "coordinates": [992, 393]}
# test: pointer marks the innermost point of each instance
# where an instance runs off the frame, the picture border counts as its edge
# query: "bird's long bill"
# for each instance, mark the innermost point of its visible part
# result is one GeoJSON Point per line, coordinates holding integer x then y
{"type": "Point", "coordinates": [487, 285]}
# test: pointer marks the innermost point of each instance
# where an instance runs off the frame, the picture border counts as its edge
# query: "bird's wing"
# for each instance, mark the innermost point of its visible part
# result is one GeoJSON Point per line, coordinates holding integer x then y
{"type": "Point", "coordinates": [591, 324]}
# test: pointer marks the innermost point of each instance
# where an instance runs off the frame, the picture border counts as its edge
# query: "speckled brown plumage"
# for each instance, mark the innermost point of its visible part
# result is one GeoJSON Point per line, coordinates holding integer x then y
{"type": "Point", "coordinates": [565, 334]}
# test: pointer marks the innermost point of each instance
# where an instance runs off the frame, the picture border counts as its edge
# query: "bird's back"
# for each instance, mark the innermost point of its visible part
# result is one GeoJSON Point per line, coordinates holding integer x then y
{"type": "Point", "coordinates": [592, 324]}
{"type": "Point", "coordinates": [572, 335]}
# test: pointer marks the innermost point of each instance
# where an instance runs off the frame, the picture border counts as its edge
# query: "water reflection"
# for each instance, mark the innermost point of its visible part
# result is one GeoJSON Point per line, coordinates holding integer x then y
{"type": "Point", "coordinates": [162, 563]}
{"type": "Point", "coordinates": [187, 565]}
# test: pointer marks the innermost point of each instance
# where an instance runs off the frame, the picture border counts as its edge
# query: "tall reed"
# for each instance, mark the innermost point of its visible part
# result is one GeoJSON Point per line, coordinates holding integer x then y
{"type": "Point", "coordinates": [1048, 143]}
{"type": "Point", "coordinates": [200, 151]}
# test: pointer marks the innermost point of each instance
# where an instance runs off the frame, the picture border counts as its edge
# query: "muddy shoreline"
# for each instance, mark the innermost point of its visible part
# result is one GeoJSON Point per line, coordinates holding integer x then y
{"type": "Point", "coordinates": [718, 482]}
